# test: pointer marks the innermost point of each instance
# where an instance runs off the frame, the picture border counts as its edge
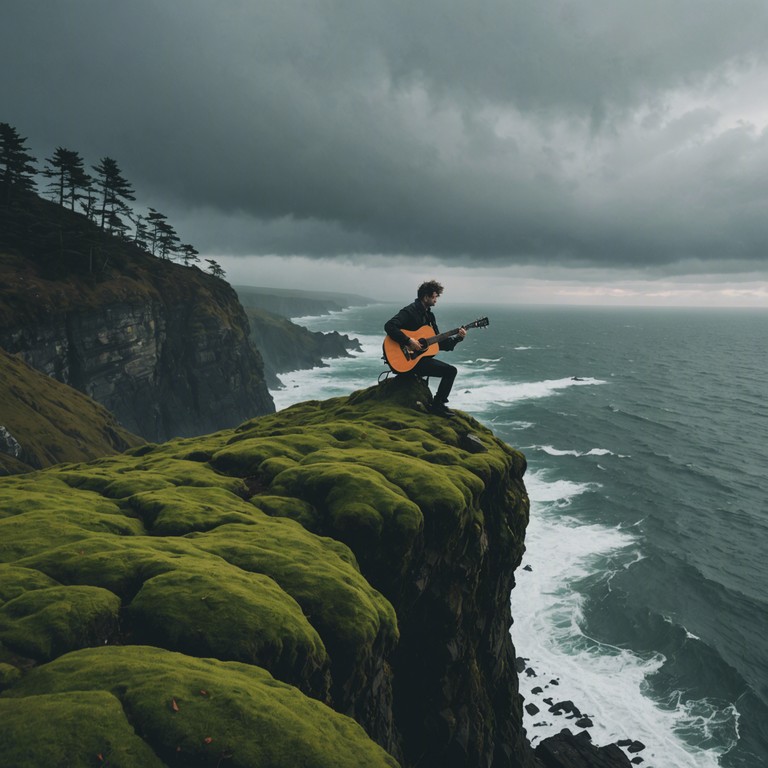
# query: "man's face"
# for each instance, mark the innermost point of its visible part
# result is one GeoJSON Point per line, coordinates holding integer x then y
{"type": "Point", "coordinates": [430, 301]}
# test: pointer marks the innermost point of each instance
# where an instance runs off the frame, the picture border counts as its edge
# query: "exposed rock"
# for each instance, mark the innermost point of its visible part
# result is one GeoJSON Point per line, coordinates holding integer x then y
{"type": "Point", "coordinates": [532, 709]}
{"type": "Point", "coordinates": [9, 445]}
{"type": "Point", "coordinates": [164, 347]}
{"type": "Point", "coordinates": [568, 751]}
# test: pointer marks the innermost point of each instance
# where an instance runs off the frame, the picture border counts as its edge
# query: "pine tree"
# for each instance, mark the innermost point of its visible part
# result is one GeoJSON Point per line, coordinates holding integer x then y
{"type": "Point", "coordinates": [115, 190]}
{"type": "Point", "coordinates": [189, 254]}
{"type": "Point", "coordinates": [67, 168]}
{"type": "Point", "coordinates": [17, 170]}
{"type": "Point", "coordinates": [215, 268]}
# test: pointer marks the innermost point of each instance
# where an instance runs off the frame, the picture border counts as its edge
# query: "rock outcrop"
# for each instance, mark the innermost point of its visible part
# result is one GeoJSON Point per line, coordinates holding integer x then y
{"type": "Point", "coordinates": [180, 599]}
{"type": "Point", "coordinates": [164, 347]}
{"type": "Point", "coordinates": [44, 422]}
{"type": "Point", "coordinates": [285, 346]}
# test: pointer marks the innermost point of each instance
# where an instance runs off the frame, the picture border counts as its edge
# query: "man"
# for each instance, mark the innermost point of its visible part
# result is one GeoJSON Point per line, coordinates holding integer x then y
{"type": "Point", "coordinates": [415, 316]}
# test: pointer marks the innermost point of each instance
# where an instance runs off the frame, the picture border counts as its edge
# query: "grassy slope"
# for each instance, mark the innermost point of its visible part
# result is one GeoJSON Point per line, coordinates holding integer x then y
{"type": "Point", "coordinates": [53, 422]}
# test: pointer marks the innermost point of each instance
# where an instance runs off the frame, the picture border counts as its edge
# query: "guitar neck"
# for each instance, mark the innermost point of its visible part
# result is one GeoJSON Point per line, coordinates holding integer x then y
{"type": "Point", "coordinates": [442, 336]}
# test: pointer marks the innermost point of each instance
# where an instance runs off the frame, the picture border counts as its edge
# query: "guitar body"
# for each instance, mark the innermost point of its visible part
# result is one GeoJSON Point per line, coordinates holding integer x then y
{"type": "Point", "coordinates": [401, 359]}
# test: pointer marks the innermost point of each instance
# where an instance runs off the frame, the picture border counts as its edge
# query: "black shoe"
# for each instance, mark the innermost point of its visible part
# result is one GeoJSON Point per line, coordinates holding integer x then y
{"type": "Point", "coordinates": [441, 409]}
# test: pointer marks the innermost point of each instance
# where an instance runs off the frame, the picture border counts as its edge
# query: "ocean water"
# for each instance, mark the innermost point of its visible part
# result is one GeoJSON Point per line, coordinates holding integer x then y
{"type": "Point", "coordinates": [643, 593]}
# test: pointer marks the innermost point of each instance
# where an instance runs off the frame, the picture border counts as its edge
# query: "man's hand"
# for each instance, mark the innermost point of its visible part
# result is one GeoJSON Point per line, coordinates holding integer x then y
{"type": "Point", "coordinates": [414, 345]}
{"type": "Point", "coordinates": [462, 333]}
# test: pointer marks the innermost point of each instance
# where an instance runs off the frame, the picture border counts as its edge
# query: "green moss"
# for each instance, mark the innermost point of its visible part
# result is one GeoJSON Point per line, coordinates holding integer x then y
{"type": "Point", "coordinates": [15, 581]}
{"type": "Point", "coordinates": [219, 610]}
{"type": "Point", "coordinates": [245, 454]}
{"type": "Point", "coordinates": [60, 518]}
{"type": "Point", "coordinates": [84, 728]}
{"type": "Point", "coordinates": [9, 676]}
{"type": "Point", "coordinates": [347, 612]}
{"type": "Point", "coordinates": [45, 623]}
{"type": "Point", "coordinates": [286, 506]}
{"type": "Point", "coordinates": [195, 711]}
{"type": "Point", "coordinates": [258, 546]}
{"type": "Point", "coordinates": [177, 511]}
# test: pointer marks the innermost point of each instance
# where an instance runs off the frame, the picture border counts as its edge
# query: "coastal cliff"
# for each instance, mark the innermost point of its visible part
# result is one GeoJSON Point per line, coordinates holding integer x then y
{"type": "Point", "coordinates": [164, 347]}
{"type": "Point", "coordinates": [285, 346]}
{"type": "Point", "coordinates": [328, 584]}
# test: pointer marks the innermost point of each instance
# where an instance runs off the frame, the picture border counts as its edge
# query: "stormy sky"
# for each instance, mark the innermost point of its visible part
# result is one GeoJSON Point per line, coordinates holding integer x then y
{"type": "Point", "coordinates": [598, 151]}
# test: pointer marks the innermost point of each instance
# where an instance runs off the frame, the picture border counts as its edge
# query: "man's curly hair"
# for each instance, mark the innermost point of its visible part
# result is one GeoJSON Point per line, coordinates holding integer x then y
{"type": "Point", "coordinates": [428, 288]}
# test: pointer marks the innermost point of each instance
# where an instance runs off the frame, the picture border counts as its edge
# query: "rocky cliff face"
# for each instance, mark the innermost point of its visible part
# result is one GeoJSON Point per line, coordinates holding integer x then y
{"type": "Point", "coordinates": [163, 347]}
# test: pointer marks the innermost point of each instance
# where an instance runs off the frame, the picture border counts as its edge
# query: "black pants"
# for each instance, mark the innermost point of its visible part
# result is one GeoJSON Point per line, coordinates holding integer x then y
{"type": "Point", "coordinates": [432, 367]}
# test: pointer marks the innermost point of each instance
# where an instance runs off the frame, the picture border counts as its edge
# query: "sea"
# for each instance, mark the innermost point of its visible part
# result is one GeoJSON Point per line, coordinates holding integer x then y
{"type": "Point", "coordinates": [643, 593]}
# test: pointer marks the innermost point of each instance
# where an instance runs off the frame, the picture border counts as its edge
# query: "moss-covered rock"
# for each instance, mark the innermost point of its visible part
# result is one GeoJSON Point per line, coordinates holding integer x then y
{"type": "Point", "coordinates": [140, 702]}
{"type": "Point", "coordinates": [278, 548]}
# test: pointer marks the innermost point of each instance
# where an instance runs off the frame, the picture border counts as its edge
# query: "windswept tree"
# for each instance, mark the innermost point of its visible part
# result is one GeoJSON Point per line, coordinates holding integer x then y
{"type": "Point", "coordinates": [115, 191]}
{"type": "Point", "coordinates": [141, 234]}
{"type": "Point", "coordinates": [17, 169]}
{"type": "Point", "coordinates": [70, 181]}
{"type": "Point", "coordinates": [164, 241]}
{"type": "Point", "coordinates": [189, 254]}
{"type": "Point", "coordinates": [215, 268]}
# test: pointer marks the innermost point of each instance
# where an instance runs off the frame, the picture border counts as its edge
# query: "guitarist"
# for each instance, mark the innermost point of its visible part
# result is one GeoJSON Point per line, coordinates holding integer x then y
{"type": "Point", "coordinates": [413, 317]}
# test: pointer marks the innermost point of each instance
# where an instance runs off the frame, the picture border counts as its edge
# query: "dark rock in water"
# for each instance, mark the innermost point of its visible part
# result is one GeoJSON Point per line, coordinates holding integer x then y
{"type": "Point", "coordinates": [520, 663]}
{"type": "Point", "coordinates": [527, 568]}
{"type": "Point", "coordinates": [563, 706]}
{"type": "Point", "coordinates": [532, 709]}
{"type": "Point", "coordinates": [530, 672]}
{"type": "Point", "coordinates": [554, 682]}
{"type": "Point", "coordinates": [548, 700]}
{"type": "Point", "coordinates": [568, 751]}
{"type": "Point", "coordinates": [537, 690]}
{"type": "Point", "coordinates": [635, 746]}
{"type": "Point", "coordinates": [585, 722]}
{"type": "Point", "coordinates": [637, 760]}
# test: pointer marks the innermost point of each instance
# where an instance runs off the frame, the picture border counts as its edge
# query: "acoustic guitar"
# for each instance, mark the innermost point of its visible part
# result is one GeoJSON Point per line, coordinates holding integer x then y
{"type": "Point", "coordinates": [401, 359]}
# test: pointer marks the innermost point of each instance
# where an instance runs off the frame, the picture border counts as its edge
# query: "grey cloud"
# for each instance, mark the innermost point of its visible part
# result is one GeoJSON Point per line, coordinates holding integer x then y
{"type": "Point", "coordinates": [363, 127]}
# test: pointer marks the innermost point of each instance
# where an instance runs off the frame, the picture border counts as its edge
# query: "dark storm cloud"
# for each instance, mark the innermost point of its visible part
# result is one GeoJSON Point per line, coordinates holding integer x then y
{"type": "Point", "coordinates": [582, 133]}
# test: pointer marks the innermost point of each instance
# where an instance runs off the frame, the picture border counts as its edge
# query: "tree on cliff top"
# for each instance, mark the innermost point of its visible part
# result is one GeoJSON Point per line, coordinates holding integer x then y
{"type": "Point", "coordinates": [115, 190]}
{"type": "Point", "coordinates": [67, 169]}
{"type": "Point", "coordinates": [17, 170]}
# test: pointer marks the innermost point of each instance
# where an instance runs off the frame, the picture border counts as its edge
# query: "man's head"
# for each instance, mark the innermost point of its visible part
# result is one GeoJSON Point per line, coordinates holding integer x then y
{"type": "Point", "coordinates": [428, 292]}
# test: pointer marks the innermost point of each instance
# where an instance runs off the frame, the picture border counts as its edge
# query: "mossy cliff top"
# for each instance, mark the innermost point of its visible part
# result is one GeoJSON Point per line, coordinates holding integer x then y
{"type": "Point", "coordinates": [243, 598]}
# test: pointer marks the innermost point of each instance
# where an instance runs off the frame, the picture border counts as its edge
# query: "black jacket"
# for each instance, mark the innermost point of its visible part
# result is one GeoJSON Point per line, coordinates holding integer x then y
{"type": "Point", "coordinates": [413, 317]}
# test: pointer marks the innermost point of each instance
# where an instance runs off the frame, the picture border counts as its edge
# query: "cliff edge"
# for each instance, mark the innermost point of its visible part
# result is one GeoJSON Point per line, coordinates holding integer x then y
{"type": "Point", "coordinates": [162, 346]}
{"type": "Point", "coordinates": [328, 584]}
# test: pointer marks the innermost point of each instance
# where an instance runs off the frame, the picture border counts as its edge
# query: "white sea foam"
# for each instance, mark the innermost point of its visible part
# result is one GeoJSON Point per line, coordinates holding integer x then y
{"type": "Point", "coordinates": [490, 393]}
{"type": "Point", "coordinates": [606, 683]}
{"type": "Point", "coordinates": [552, 451]}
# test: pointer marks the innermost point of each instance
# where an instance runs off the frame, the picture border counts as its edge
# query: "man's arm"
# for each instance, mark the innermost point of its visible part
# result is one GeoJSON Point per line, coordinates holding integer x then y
{"type": "Point", "coordinates": [450, 343]}
{"type": "Point", "coordinates": [403, 319]}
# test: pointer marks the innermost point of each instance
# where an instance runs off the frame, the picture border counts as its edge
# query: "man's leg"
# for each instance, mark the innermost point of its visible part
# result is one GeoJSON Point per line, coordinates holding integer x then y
{"type": "Point", "coordinates": [434, 368]}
